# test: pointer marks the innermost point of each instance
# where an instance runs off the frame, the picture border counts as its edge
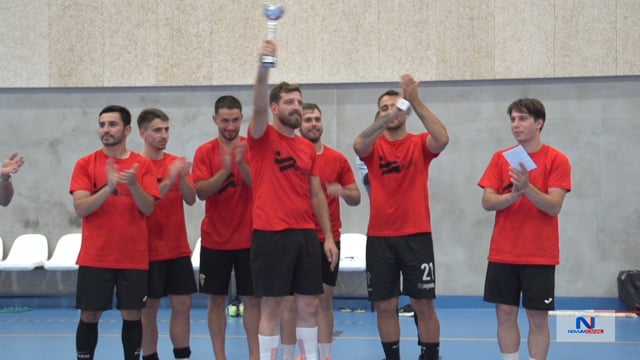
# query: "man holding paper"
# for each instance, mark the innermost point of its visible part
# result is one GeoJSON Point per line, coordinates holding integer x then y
{"type": "Point", "coordinates": [525, 185]}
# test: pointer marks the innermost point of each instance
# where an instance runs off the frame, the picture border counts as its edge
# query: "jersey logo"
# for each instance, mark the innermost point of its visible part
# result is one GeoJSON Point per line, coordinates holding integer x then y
{"type": "Point", "coordinates": [285, 163]}
{"type": "Point", "coordinates": [389, 167]}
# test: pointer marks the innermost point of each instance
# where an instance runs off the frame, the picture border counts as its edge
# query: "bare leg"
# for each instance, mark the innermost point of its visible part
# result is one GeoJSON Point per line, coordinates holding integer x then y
{"type": "Point", "coordinates": [325, 319]}
{"type": "Point", "coordinates": [251, 321]}
{"type": "Point", "coordinates": [539, 337]}
{"type": "Point", "coordinates": [288, 312]}
{"type": "Point", "coordinates": [217, 321]}
{"type": "Point", "coordinates": [428, 322]}
{"type": "Point", "coordinates": [150, 326]}
{"type": "Point", "coordinates": [180, 325]}
{"type": "Point", "coordinates": [508, 331]}
{"type": "Point", "coordinates": [388, 324]}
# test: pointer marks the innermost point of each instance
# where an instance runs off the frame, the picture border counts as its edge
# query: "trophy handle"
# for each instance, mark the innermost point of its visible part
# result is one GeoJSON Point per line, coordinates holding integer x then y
{"type": "Point", "coordinates": [272, 26]}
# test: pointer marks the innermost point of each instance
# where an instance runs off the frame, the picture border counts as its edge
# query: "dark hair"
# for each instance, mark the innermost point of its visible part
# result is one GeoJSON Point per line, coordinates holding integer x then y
{"type": "Point", "coordinates": [310, 107]}
{"type": "Point", "coordinates": [227, 102]}
{"type": "Point", "coordinates": [125, 114]}
{"type": "Point", "coordinates": [531, 106]}
{"type": "Point", "coordinates": [148, 115]}
{"type": "Point", "coordinates": [389, 92]}
{"type": "Point", "coordinates": [283, 88]}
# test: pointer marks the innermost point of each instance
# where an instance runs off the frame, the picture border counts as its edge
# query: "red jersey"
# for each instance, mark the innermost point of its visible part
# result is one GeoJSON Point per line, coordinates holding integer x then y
{"type": "Point", "coordinates": [166, 226]}
{"type": "Point", "coordinates": [227, 217]}
{"type": "Point", "coordinates": [398, 175]}
{"type": "Point", "coordinates": [522, 233]}
{"type": "Point", "coordinates": [281, 168]}
{"type": "Point", "coordinates": [334, 168]}
{"type": "Point", "coordinates": [115, 235]}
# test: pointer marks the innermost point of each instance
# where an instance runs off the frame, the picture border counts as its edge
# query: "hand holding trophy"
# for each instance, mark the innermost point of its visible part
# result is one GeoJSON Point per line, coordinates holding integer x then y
{"type": "Point", "coordinates": [273, 13]}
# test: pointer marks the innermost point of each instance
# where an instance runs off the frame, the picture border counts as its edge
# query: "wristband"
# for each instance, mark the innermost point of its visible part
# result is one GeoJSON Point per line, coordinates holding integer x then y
{"type": "Point", "coordinates": [7, 179]}
{"type": "Point", "coordinates": [403, 104]}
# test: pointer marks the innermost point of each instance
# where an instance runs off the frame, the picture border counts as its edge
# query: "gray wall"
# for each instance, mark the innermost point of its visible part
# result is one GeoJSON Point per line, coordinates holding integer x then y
{"type": "Point", "coordinates": [594, 121]}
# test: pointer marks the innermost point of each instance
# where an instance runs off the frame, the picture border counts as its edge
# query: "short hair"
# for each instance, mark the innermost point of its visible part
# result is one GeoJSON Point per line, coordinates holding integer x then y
{"type": "Point", "coordinates": [227, 102]}
{"type": "Point", "coordinates": [283, 88]}
{"type": "Point", "coordinates": [389, 92]}
{"type": "Point", "coordinates": [310, 107]}
{"type": "Point", "coordinates": [531, 106]}
{"type": "Point", "coordinates": [148, 115]}
{"type": "Point", "coordinates": [125, 114]}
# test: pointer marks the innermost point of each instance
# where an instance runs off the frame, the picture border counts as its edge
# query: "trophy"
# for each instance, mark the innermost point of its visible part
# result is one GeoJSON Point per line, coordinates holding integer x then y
{"type": "Point", "coordinates": [273, 13]}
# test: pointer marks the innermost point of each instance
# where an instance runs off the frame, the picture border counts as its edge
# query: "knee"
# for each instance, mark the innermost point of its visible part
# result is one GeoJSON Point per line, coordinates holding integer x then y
{"type": "Point", "coordinates": [386, 307]}
{"type": "Point", "coordinates": [90, 317]}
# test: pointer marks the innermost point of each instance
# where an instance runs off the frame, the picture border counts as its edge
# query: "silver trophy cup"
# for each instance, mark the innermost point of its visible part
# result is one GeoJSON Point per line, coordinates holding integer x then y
{"type": "Point", "coordinates": [273, 13]}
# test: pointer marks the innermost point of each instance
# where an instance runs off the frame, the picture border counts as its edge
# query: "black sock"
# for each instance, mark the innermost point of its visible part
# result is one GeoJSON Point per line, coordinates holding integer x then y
{"type": "Point", "coordinates": [86, 340]}
{"type": "Point", "coordinates": [429, 351]}
{"type": "Point", "coordinates": [153, 356]}
{"type": "Point", "coordinates": [391, 350]}
{"type": "Point", "coordinates": [182, 353]}
{"type": "Point", "coordinates": [132, 339]}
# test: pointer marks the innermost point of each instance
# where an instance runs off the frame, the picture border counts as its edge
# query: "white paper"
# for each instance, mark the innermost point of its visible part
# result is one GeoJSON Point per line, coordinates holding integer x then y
{"type": "Point", "coordinates": [518, 155]}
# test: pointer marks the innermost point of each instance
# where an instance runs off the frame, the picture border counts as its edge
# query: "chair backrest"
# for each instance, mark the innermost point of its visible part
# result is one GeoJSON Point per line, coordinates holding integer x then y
{"type": "Point", "coordinates": [353, 248]}
{"type": "Point", "coordinates": [27, 252]}
{"type": "Point", "coordinates": [195, 255]}
{"type": "Point", "coordinates": [66, 253]}
{"type": "Point", "coordinates": [1, 248]}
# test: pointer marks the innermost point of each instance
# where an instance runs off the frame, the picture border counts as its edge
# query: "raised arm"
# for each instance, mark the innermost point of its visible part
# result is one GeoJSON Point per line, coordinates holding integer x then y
{"type": "Point", "coordinates": [439, 138]}
{"type": "Point", "coordinates": [260, 119]}
{"type": "Point", "coordinates": [363, 144]}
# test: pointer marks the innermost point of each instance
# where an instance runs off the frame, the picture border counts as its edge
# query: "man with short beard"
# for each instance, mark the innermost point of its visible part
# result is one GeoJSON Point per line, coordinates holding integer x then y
{"type": "Point", "coordinates": [399, 234]}
{"type": "Point", "coordinates": [288, 200]}
{"type": "Point", "coordinates": [338, 182]}
{"type": "Point", "coordinates": [223, 180]}
{"type": "Point", "coordinates": [114, 189]}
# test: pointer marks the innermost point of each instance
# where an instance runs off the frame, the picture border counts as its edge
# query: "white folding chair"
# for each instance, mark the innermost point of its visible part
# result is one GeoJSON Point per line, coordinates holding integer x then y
{"type": "Point", "coordinates": [353, 248]}
{"type": "Point", "coordinates": [27, 252]}
{"type": "Point", "coordinates": [195, 255]}
{"type": "Point", "coordinates": [65, 254]}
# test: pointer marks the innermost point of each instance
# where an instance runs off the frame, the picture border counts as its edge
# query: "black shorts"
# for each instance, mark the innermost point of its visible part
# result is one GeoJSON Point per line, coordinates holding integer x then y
{"type": "Point", "coordinates": [94, 290]}
{"type": "Point", "coordinates": [171, 277]}
{"type": "Point", "coordinates": [505, 282]}
{"type": "Point", "coordinates": [329, 277]}
{"type": "Point", "coordinates": [216, 267]}
{"type": "Point", "coordinates": [286, 263]}
{"type": "Point", "coordinates": [410, 255]}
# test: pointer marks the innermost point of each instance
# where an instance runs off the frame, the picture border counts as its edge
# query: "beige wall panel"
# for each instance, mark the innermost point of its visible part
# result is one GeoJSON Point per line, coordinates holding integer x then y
{"type": "Point", "coordinates": [76, 43]}
{"type": "Point", "coordinates": [130, 43]}
{"type": "Point", "coordinates": [628, 37]}
{"type": "Point", "coordinates": [300, 42]}
{"type": "Point", "coordinates": [585, 38]}
{"type": "Point", "coordinates": [184, 42]}
{"type": "Point", "coordinates": [465, 40]}
{"type": "Point", "coordinates": [524, 39]}
{"type": "Point", "coordinates": [407, 33]}
{"type": "Point", "coordinates": [351, 47]}
{"type": "Point", "coordinates": [238, 30]}
{"type": "Point", "coordinates": [24, 59]}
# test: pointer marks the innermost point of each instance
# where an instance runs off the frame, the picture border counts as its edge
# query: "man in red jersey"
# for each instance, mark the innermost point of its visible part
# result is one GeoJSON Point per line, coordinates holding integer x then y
{"type": "Point", "coordinates": [113, 189]}
{"type": "Point", "coordinates": [399, 233]}
{"type": "Point", "coordinates": [338, 181]}
{"type": "Point", "coordinates": [170, 268]}
{"type": "Point", "coordinates": [288, 200]}
{"type": "Point", "coordinates": [9, 167]}
{"type": "Point", "coordinates": [223, 180]}
{"type": "Point", "coordinates": [525, 245]}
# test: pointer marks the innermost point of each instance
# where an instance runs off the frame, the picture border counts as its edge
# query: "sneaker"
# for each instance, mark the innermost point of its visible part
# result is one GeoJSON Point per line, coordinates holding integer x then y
{"type": "Point", "coordinates": [241, 309]}
{"type": "Point", "coordinates": [344, 309]}
{"type": "Point", "coordinates": [406, 310]}
{"type": "Point", "coordinates": [358, 310]}
{"type": "Point", "coordinates": [232, 310]}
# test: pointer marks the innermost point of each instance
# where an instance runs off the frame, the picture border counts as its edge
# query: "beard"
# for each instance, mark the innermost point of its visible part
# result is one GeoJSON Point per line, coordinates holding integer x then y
{"type": "Point", "coordinates": [111, 140]}
{"type": "Point", "coordinates": [291, 120]}
{"type": "Point", "coordinates": [229, 135]}
{"type": "Point", "coordinates": [313, 136]}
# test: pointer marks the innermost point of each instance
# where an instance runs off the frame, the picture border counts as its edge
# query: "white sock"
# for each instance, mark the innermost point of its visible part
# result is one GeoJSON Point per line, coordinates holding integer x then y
{"type": "Point", "coordinates": [511, 356]}
{"type": "Point", "coordinates": [325, 350]}
{"type": "Point", "coordinates": [530, 358]}
{"type": "Point", "coordinates": [288, 351]}
{"type": "Point", "coordinates": [308, 342]}
{"type": "Point", "coordinates": [268, 347]}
